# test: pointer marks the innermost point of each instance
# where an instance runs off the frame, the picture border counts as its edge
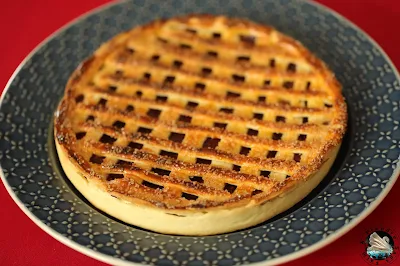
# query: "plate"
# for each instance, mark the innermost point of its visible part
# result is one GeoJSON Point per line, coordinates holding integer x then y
{"type": "Point", "coordinates": [364, 172]}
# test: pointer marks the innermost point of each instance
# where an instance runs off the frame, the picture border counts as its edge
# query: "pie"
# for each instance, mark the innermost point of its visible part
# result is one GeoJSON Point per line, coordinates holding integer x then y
{"type": "Point", "coordinates": [199, 125]}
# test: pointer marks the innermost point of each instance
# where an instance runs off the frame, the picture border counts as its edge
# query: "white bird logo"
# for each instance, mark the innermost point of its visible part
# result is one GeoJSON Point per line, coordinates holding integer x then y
{"type": "Point", "coordinates": [379, 246]}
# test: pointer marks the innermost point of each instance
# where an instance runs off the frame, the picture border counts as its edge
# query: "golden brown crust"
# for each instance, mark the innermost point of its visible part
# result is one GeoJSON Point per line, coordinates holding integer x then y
{"type": "Point", "coordinates": [158, 70]}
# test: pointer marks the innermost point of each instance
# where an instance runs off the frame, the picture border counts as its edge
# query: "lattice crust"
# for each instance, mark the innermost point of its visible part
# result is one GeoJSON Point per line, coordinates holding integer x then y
{"type": "Point", "coordinates": [200, 111]}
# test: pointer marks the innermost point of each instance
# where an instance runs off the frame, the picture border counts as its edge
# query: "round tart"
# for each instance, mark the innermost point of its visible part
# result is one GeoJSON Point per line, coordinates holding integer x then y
{"type": "Point", "coordinates": [199, 125]}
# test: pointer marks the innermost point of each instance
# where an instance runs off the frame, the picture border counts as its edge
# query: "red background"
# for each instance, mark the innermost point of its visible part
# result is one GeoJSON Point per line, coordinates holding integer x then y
{"type": "Point", "coordinates": [25, 23]}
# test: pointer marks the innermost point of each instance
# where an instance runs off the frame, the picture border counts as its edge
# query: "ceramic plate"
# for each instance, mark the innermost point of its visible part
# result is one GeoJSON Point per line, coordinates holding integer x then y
{"type": "Point", "coordinates": [364, 172]}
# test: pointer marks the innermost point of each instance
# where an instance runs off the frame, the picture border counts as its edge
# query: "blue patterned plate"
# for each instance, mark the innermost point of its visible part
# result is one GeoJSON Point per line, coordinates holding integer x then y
{"type": "Point", "coordinates": [366, 168]}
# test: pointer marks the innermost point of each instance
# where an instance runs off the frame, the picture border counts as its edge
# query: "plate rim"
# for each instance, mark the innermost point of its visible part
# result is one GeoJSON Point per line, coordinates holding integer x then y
{"type": "Point", "coordinates": [275, 261]}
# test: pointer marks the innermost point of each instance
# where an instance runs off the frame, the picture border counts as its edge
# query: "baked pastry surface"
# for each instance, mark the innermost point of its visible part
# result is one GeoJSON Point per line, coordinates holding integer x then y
{"type": "Point", "coordinates": [199, 125]}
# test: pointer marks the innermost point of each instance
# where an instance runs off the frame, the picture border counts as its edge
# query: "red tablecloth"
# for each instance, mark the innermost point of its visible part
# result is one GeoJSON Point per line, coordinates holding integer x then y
{"type": "Point", "coordinates": [24, 23]}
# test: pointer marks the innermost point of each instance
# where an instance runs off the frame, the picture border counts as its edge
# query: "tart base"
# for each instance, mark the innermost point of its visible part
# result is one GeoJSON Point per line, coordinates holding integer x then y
{"type": "Point", "coordinates": [207, 221]}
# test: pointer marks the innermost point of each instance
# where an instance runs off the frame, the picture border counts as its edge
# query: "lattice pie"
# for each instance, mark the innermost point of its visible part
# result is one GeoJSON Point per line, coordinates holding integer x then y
{"type": "Point", "coordinates": [199, 125]}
